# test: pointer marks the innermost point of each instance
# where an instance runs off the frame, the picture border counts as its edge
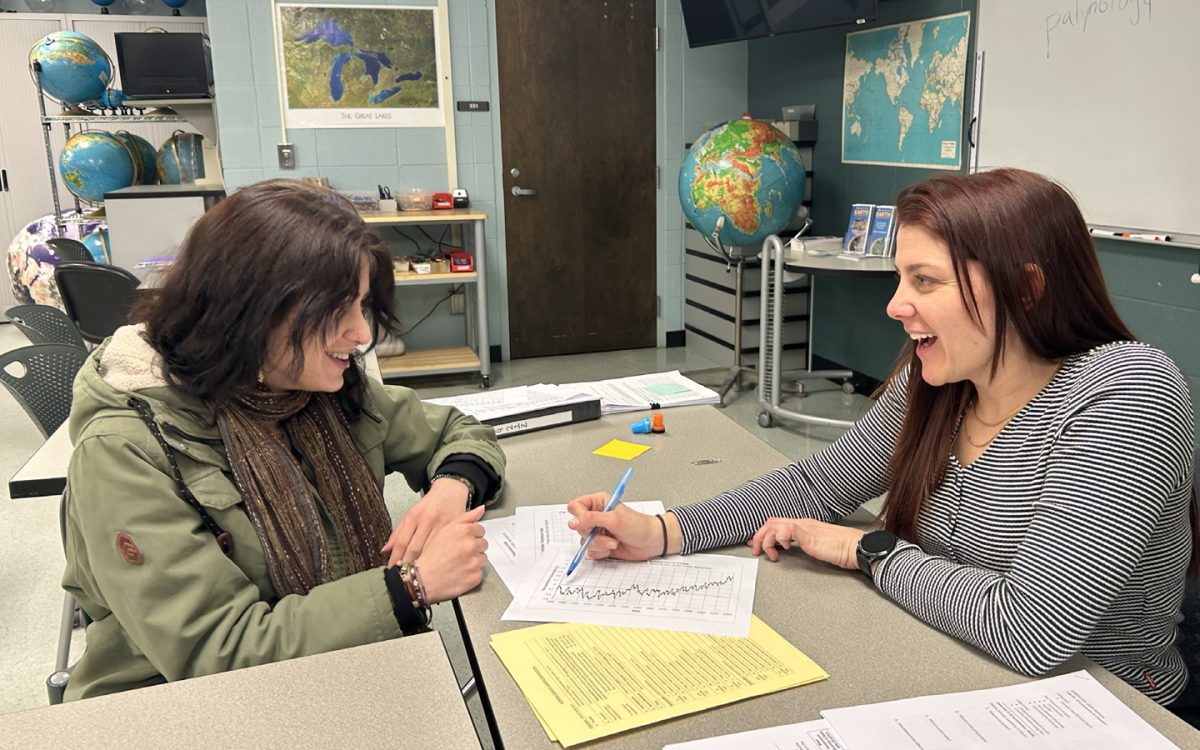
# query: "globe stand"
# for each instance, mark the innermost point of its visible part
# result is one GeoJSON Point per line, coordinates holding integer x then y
{"type": "Point", "coordinates": [735, 262]}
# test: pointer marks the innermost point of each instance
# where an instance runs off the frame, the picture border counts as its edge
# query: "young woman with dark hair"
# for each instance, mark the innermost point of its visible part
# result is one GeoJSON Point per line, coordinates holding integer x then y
{"type": "Point", "coordinates": [226, 489]}
{"type": "Point", "coordinates": [1037, 460]}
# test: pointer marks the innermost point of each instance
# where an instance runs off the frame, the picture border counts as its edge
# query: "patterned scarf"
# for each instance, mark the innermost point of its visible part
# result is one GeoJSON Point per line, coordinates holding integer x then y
{"type": "Point", "coordinates": [279, 500]}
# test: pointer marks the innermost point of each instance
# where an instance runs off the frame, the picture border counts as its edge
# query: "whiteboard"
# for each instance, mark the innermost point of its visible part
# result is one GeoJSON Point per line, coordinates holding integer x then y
{"type": "Point", "coordinates": [1102, 96]}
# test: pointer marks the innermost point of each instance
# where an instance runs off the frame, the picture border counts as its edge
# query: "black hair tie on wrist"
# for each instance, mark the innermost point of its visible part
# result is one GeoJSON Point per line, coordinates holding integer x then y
{"type": "Point", "coordinates": [663, 523]}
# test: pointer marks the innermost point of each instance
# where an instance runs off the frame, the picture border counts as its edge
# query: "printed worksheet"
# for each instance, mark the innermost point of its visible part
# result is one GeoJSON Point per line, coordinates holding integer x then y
{"type": "Point", "coordinates": [516, 543]}
{"type": "Point", "coordinates": [501, 535]}
{"type": "Point", "coordinates": [1069, 711]}
{"type": "Point", "coordinates": [807, 735]}
{"type": "Point", "coordinates": [711, 594]}
{"type": "Point", "coordinates": [542, 528]}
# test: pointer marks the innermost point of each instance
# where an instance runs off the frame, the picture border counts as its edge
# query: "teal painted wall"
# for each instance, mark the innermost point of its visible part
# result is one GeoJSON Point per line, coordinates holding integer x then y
{"type": "Point", "coordinates": [808, 68]}
{"type": "Point", "coordinates": [1152, 290]}
{"type": "Point", "coordinates": [1150, 284]}
{"type": "Point", "coordinates": [247, 95]}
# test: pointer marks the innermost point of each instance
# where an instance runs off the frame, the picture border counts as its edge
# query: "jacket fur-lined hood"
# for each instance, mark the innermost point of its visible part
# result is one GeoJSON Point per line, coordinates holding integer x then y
{"type": "Point", "coordinates": [126, 366]}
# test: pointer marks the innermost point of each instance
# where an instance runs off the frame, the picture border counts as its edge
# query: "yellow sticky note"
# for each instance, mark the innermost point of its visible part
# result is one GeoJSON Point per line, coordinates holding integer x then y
{"type": "Point", "coordinates": [589, 681]}
{"type": "Point", "coordinates": [621, 449]}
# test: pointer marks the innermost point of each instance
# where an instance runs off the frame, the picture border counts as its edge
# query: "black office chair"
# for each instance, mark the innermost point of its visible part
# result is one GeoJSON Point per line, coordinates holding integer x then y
{"type": "Point", "coordinates": [97, 297]}
{"type": "Point", "coordinates": [40, 378]}
{"type": "Point", "coordinates": [70, 251]}
{"type": "Point", "coordinates": [43, 324]}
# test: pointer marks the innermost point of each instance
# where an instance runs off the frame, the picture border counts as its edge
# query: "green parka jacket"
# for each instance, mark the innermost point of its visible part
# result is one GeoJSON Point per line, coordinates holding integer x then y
{"type": "Point", "coordinates": [168, 604]}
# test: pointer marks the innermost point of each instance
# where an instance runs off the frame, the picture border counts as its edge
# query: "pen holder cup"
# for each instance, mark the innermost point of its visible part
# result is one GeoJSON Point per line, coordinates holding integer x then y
{"type": "Point", "coordinates": [388, 205]}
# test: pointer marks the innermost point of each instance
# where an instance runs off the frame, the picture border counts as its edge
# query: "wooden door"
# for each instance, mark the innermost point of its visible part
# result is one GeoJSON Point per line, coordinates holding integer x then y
{"type": "Point", "coordinates": [578, 127]}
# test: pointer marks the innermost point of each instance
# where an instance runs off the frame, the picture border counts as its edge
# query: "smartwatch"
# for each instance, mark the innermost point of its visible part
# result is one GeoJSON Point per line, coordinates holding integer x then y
{"type": "Point", "coordinates": [874, 545]}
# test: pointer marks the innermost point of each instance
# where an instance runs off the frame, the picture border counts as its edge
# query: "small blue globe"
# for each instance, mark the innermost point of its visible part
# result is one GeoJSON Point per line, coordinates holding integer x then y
{"type": "Point", "coordinates": [181, 159]}
{"type": "Point", "coordinates": [93, 163]}
{"type": "Point", "coordinates": [144, 156]}
{"type": "Point", "coordinates": [747, 171]}
{"type": "Point", "coordinates": [75, 69]}
{"type": "Point", "coordinates": [98, 245]}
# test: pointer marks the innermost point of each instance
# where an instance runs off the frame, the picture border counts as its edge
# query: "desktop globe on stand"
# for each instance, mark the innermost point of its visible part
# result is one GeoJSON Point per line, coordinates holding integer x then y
{"type": "Point", "coordinates": [72, 67]}
{"type": "Point", "coordinates": [740, 183]}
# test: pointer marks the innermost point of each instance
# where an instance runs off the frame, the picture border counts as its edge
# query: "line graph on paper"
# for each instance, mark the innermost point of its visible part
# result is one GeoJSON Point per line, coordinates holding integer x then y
{"type": "Point", "coordinates": [699, 593]}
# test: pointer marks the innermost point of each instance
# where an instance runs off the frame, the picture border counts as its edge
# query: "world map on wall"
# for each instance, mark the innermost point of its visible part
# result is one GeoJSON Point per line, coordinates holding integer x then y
{"type": "Point", "coordinates": [902, 101]}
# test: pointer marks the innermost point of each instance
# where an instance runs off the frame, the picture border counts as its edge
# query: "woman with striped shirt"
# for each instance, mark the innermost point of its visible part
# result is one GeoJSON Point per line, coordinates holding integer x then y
{"type": "Point", "coordinates": [1037, 460]}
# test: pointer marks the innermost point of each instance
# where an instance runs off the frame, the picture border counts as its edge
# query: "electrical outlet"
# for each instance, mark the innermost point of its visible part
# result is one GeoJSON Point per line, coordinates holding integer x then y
{"type": "Point", "coordinates": [458, 303]}
{"type": "Point", "coordinates": [287, 156]}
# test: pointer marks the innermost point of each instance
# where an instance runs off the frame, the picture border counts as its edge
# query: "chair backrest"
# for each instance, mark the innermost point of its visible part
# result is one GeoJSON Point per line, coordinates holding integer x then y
{"type": "Point", "coordinates": [43, 324]}
{"type": "Point", "coordinates": [70, 251]}
{"type": "Point", "coordinates": [97, 297]}
{"type": "Point", "coordinates": [40, 378]}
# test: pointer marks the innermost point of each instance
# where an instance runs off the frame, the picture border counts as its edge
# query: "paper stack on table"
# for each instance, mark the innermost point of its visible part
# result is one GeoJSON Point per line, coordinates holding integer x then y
{"type": "Point", "coordinates": [589, 681]}
{"type": "Point", "coordinates": [518, 543]}
{"type": "Point", "coordinates": [530, 551]}
{"type": "Point", "coordinates": [503, 402]}
{"type": "Point", "coordinates": [658, 390]}
{"type": "Point", "coordinates": [1071, 710]}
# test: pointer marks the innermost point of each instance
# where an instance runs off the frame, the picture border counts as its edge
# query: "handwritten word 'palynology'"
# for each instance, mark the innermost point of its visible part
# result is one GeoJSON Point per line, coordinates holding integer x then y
{"type": "Point", "coordinates": [1076, 19]}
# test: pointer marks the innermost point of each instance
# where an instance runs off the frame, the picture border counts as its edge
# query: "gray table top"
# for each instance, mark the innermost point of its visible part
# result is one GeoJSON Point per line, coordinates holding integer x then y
{"type": "Point", "coordinates": [398, 693]}
{"type": "Point", "coordinates": [873, 650]}
{"type": "Point", "coordinates": [45, 473]}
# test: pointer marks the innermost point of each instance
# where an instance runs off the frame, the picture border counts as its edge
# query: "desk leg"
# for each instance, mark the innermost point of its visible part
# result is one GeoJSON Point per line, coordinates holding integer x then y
{"type": "Point", "coordinates": [478, 674]}
{"type": "Point", "coordinates": [485, 350]}
{"type": "Point", "coordinates": [771, 327]}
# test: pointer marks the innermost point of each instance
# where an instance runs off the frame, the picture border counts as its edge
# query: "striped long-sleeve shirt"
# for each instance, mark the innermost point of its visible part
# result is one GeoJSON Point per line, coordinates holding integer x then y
{"type": "Point", "coordinates": [1069, 534]}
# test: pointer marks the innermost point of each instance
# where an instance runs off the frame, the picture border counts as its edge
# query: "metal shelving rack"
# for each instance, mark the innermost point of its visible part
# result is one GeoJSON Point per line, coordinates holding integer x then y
{"type": "Point", "coordinates": [199, 109]}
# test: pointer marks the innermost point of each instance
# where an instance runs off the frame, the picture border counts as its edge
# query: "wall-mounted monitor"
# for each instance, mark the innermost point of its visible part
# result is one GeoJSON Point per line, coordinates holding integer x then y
{"type": "Point", "coordinates": [718, 21]}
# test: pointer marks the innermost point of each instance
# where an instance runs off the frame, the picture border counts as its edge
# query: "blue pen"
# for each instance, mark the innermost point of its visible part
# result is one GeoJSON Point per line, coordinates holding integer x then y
{"type": "Point", "coordinates": [612, 503]}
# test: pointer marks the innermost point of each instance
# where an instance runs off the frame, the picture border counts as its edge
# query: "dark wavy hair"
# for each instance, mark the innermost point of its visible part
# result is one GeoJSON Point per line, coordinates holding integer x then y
{"type": "Point", "coordinates": [267, 251]}
{"type": "Point", "coordinates": [1007, 221]}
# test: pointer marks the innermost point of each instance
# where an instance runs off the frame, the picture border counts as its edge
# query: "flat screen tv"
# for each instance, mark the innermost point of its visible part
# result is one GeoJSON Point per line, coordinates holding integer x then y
{"type": "Point", "coordinates": [718, 21]}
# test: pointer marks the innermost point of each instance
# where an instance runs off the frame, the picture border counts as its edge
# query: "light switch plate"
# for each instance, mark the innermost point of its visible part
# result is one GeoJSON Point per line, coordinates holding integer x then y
{"type": "Point", "coordinates": [287, 156]}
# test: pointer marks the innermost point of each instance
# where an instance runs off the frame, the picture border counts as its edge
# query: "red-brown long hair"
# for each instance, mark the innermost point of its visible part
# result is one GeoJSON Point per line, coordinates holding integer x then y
{"type": "Point", "coordinates": [1003, 220]}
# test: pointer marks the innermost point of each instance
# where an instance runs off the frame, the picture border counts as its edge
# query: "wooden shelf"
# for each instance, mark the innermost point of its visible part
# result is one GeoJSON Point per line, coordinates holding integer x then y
{"type": "Point", "coordinates": [430, 362]}
{"type": "Point", "coordinates": [440, 216]}
{"type": "Point", "coordinates": [409, 278]}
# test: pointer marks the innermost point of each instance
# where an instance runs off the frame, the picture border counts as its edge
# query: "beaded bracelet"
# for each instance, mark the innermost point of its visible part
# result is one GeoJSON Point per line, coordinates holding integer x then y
{"type": "Point", "coordinates": [416, 592]}
{"type": "Point", "coordinates": [420, 592]}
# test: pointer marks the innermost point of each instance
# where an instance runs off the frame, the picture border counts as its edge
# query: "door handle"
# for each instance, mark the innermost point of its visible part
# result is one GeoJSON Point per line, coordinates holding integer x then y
{"type": "Point", "coordinates": [4, 180]}
{"type": "Point", "coordinates": [519, 191]}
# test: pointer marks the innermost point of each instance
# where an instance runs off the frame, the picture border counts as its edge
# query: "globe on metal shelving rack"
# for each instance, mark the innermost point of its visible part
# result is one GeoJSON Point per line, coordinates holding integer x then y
{"type": "Point", "coordinates": [95, 162]}
{"type": "Point", "coordinates": [75, 69]}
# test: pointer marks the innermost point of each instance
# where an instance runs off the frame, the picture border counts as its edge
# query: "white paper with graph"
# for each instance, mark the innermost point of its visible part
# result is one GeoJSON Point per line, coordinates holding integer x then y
{"type": "Point", "coordinates": [711, 594]}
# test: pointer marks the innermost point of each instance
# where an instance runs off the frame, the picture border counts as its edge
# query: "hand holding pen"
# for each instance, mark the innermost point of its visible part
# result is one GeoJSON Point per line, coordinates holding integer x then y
{"type": "Point", "coordinates": [612, 504]}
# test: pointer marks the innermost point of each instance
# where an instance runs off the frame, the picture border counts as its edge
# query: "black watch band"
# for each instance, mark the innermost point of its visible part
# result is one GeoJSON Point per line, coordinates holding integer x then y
{"type": "Point", "coordinates": [874, 546]}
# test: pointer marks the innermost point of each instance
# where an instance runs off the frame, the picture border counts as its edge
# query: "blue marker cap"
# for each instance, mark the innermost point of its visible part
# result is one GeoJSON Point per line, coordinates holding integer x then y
{"type": "Point", "coordinates": [642, 427]}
